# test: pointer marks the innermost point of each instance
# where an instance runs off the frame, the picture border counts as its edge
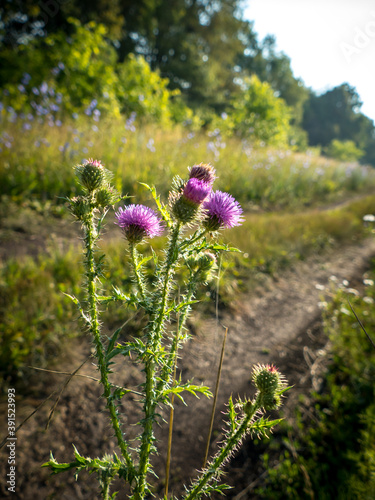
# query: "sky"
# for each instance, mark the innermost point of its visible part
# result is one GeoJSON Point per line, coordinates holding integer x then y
{"type": "Point", "coordinates": [329, 42]}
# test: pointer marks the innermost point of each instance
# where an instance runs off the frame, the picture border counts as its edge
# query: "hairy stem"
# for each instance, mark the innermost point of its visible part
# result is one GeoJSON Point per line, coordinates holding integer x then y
{"type": "Point", "coordinates": [138, 276]}
{"type": "Point", "coordinates": [213, 467]}
{"type": "Point", "coordinates": [95, 330]}
{"type": "Point", "coordinates": [154, 343]}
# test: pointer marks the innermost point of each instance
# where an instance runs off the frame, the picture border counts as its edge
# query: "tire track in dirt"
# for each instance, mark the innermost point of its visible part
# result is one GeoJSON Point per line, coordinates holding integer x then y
{"type": "Point", "coordinates": [266, 327]}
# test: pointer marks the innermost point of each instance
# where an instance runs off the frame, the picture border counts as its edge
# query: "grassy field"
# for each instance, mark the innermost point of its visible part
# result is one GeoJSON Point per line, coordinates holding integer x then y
{"type": "Point", "coordinates": [283, 194]}
{"type": "Point", "coordinates": [36, 164]}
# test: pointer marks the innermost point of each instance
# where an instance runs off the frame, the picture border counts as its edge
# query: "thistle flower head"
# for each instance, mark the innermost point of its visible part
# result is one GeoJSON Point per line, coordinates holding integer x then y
{"type": "Point", "coordinates": [203, 172]}
{"type": "Point", "coordinates": [223, 211]}
{"type": "Point", "coordinates": [186, 203]}
{"type": "Point", "coordinates": [138, 222]}
{"type": "Point", "coordinates": [196, 190]}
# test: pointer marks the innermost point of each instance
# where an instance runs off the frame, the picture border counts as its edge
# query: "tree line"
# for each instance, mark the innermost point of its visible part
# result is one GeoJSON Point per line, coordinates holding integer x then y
{"type": "Point", "coordinates": [208, 54]}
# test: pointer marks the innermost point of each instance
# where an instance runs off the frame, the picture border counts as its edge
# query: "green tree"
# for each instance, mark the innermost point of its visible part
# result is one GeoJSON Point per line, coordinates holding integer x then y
{"type": "Point", "coordinates": [261, 115]}
{"type": "Point", "coordinates": [336, 115]}
{"type": "Point", "coordinates": [343, 150]}
{"type": "Point", "coordinates": [274, 67]}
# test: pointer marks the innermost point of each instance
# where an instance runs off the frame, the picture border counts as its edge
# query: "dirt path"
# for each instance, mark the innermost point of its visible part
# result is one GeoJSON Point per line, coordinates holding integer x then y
{"type": "Point", "coordinates": [270, 325]}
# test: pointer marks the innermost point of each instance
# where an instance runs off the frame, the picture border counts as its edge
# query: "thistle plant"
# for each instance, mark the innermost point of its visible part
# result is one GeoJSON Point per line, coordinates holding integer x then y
{"type": "Point", "coordinates": [193, 211]}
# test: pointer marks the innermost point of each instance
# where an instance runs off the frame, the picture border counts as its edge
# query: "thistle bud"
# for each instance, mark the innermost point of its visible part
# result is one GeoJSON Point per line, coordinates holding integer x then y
{"type": "Point", "coordinates": [270, 401]}
{"type": "Point", "coordinates": [105, 197]}
{"type": "Point", "coordinates": [203, 172]}
{"type": "Point", "coordinates": [80, 208]}
{"type": "Point", "coordinates": [92, 175]}
{"type": "Point", "coordinates": [206, 261]}
{"type": "Point", "coordinates": [267, 379]}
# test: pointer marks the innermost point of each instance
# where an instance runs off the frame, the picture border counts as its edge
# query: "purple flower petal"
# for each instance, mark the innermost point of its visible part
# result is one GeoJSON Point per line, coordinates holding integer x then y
{"type": "Point", "coordinates": [197, 190]}
{"type": "Point", "coordinates": [139, 222]}
{"type": "Point", "coordinates": [223, 211]}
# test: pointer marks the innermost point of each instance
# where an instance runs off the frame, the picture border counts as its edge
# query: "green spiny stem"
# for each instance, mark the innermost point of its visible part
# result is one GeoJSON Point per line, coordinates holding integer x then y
{"type": "Point", "coordinates": [232, 442]}
{"type": "Point", "coordinates": [154, 342]}
{"type": "Point", "coordinates": [166, 278]}
{"type": "Point", "coordinates": [167, 369]}
{"type": "Point", "coordinates": [105, 489]}
{"type": "Point", "coordinates": [95, 330]}
{"type": "Point", "coordinates": [138, 276]}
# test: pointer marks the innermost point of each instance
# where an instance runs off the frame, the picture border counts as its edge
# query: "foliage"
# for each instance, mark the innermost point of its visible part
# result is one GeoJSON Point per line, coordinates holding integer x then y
{"type": "Point", "coordinates": [344, 150]}
{"type": "Point", "coordinates": [35, 315]}
{"type": "Point", "coordinates": [142, 91]}
{"type": "Point", "coordinates": [335, 115]}
{"type": "Point", "coordinates": [53, 77]}
{"type": "Point", "coordinates": [205, 50]}
{"type": "Point", "coordinates": [259, 115]}
{"type": "Point", "coordinates": [334, 451]}
{"type": "Point", "coordinates": [257, 176]}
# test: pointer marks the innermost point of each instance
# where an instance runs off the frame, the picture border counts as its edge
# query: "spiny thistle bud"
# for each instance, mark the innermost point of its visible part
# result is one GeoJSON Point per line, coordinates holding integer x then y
{"type": "Point", "coordinates": [267, 379]}
{"type": "Point", "coordinates": [80, 208]}
{"type": "Point", "coordinates": [206, 261]}
{"type": "Point", "coordinates": [270, 401]}
{"type": "Point", "coordinates": [178, 184]}
{"type": "Point", "coordinates": [248, 408]}
{"type": "Point", "coordinates": [202, 264]}
{"type": "Point", "coordinates": [105, 197]}
{"type": "Point", "coordinates": [92, 174]}
{"type": "Point", "coordinates": [186, 206]}
{"type": "Point", "coordinates": [203, 172]}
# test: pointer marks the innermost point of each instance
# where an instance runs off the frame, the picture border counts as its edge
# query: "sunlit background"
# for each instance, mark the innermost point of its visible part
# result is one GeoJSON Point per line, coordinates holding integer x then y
{"type": "Point", "coordinates": [278, 97]}
{"type": "Point", "coordinates": [329, 42]}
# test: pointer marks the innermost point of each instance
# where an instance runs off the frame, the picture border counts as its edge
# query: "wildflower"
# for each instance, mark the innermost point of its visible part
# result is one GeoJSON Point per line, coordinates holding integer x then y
{"type": "Point", "coordinates": [150, 145]}
{"type": "Point", "coordinates": [25, 78]}
{"type": "Point", "coordinates": [368, 300]}
{"type": "Point", "coordinates": [223, 211]}
{"type": "Point", "coordinates": [138, 222]}
{"type": "Point", "coordinates": [196, 190]}
{"type": "Point", "coordinates": [203, 172]}
{"type": "Point", "coordinates": [186, 204]}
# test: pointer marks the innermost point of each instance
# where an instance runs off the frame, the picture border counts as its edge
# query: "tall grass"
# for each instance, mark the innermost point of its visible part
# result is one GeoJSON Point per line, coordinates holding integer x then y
{"type": "Point", "coordinates": [36, 163]}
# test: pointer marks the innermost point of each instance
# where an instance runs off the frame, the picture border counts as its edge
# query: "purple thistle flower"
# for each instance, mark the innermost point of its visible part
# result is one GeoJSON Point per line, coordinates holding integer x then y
{"type": "Point", "coordinates": [197, 190]}
{"type": "Point", "coordinates": [138, 222]}
{"type": "Point", "coordinates": [223, 211]}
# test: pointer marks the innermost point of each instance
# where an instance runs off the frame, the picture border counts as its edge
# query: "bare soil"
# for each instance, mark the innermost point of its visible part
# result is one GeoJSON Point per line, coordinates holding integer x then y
{"type": "Point", "coordinates": [277, 323]}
